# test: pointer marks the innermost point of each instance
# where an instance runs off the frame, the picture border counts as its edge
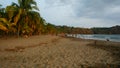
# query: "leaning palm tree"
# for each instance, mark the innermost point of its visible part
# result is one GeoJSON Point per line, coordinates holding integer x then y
{"type": "Point", "coordinates": [6, 21]}
{"type": "Point", "coordinates": [22, 18]}
{"type": "Point", "coordinates": [7, 16]}
{"type": "Point", "coordinates": [3, 21]}
{"type": "Point", "coordinates": [2, 26]}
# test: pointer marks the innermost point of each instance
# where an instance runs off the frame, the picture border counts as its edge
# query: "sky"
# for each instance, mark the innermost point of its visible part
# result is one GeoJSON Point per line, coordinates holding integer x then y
{"type": "Point", "coordinates": [78, 13]}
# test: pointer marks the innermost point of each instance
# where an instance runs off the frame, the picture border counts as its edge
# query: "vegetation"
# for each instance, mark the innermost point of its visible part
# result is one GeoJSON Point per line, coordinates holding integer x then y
{"type": "Point", "coordinates": [22, 18]}
{"type": "Point", "coordinates": [74, 30]}
{"type": "Point", "coordinates": [78, 30]}
{"type": "Point", "coordinates": [111, 30]}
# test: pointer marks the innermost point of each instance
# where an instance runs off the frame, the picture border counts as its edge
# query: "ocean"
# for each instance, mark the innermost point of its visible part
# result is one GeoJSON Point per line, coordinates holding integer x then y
{"type": "Point", "coordinates": [112, 37]}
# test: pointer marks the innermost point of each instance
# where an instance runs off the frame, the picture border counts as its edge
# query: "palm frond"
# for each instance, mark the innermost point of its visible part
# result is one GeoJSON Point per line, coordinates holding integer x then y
{"type": "Point", "coordinates": [33, 2]}
{"type": "Point", "coordinates": [2, 27]}
{"type": "Point", "coordinates": [14, 4]}
{"type": "Point", "coordinates": [4, 20]}
{"type": "Point", "coordinates": [17, 17]}
{"type": "Point", "coordinates": [35, 7]}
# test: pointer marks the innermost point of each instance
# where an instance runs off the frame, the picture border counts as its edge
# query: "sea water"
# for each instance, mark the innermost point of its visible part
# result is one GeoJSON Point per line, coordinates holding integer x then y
{"type": "Point", "coordinates": [113, 37]}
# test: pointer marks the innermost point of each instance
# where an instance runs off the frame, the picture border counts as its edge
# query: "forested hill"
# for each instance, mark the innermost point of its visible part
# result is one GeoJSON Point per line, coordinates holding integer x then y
{"type": "Point", "coordinates": [111, 30]}
{"type": "Point", "coordinates": [96, 30]}
{"type": "Point", "coordinates": [74, 30]}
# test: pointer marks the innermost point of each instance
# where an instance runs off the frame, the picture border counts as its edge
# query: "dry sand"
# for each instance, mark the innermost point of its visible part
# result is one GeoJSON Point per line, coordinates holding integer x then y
{"type": "Point", "coordinates": [48, 51]}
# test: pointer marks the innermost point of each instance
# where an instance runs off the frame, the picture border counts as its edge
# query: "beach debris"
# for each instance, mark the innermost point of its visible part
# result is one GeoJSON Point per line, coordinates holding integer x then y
{"type": "Point", "coordinates": [107, 39]}
{"type": "Point", "coordinates": [95, 42]}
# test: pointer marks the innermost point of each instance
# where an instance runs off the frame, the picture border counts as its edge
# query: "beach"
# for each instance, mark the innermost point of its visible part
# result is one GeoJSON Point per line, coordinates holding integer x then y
{"type": "Point", "coordinates": [49, 51]}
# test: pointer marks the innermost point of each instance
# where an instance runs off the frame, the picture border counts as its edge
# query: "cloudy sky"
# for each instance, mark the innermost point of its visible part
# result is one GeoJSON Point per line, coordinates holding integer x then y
{"type": "Point", "coordinates": [78, 13]}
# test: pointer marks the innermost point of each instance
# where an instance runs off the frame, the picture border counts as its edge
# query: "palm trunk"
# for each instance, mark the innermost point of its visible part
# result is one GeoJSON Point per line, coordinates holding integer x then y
{"type": "Point", "coordinates": [18, 31]}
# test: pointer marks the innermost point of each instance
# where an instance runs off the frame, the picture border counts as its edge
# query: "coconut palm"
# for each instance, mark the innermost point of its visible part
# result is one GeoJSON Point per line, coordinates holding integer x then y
{"type": "Point", "coordinates": [3, 21]}
{"type": "Point", "coordinates": [1, 11]}
{"type": "Point", "coordinates": [6, 21]}
{"type": "Point", "coordinates": [23, 19]}
{"type": "Point", "coordinates": [51, 29]}
{"type": "Point", "coordinates": [3, 25]}
{"type": "Point", "coordinates": [36, 23]}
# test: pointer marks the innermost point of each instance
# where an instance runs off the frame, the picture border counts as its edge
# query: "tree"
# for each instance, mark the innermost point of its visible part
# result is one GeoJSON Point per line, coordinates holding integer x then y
{"type": "Point", "coordinates": [3, 21]}
{"type": "Point", "coordinates": [51, 29]}
{"type": "Point", "coordinates": [1, 11]}
{"type": "Point", "coordinates": [7, 19]}
{"type": "Point", "coordinates": [23, 18]}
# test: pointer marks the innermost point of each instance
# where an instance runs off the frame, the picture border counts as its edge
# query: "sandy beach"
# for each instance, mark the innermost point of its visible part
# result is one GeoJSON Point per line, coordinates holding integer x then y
{"type": "Point", "coordinates": [47, 51]}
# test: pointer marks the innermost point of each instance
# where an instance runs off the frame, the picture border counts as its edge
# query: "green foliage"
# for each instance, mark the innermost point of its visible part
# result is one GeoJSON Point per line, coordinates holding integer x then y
{"type": "Point", "coordinates": [74, 30]}
{"type": "Point", "coordinates": [111, 30]}
{"type": "Point", "coordinates": [50, 29]}
{"type": "Point", "coordinates": [21, 19]}
{"type": "Point", "coordinates": [11, 11]}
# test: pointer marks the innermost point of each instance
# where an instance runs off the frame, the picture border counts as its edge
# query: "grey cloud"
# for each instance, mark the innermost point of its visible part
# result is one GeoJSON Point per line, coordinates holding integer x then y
{"type": "Point", "coordinates": [55, 3]}
{"type": "Point", "coordinates": [86, 7]}
{"type": "Point", "coordinates": [96, 9]}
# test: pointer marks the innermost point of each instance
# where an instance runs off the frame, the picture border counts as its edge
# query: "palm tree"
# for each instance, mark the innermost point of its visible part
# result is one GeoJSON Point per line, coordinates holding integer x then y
{"type": "Point", "coordinates": [1, 11]}
{"type": "Point", "coordinates": [51, 29]}
{"type": "Point", "coordinates": [36, 23]}
{"type": "Point", "coordinates": [6, 20]}
{"type": "Point", "coordinates": [3, 22]}
{"type": "Point", "coordinates": [2, 26]}
{"type": "Point", "coordinates": [23, 19]}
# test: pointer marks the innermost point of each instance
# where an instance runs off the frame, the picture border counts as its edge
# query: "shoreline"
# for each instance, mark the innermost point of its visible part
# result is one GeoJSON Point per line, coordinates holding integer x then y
{"type": "Point", "coordinates": [97, 37]}
{"type": "Point", "coordinates": [54, 51]}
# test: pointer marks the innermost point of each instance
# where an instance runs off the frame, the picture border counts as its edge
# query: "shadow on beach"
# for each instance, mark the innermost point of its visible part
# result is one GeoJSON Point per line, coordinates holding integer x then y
{"type": "Point", "coordinates": [112, 47]}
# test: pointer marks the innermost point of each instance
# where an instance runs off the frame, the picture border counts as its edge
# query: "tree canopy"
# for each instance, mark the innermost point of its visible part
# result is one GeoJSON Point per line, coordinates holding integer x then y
{"type": "Point", "coordinates": [23, 18]}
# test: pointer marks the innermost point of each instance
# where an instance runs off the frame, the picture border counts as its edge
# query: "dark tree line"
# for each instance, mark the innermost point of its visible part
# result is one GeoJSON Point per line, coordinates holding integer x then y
{"type": "Point", "coordinates": [111, 30]}
{"type": "Point", "coordinates": [74, 30]}
{"type": "Point", "coordinates": [78, 30]}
